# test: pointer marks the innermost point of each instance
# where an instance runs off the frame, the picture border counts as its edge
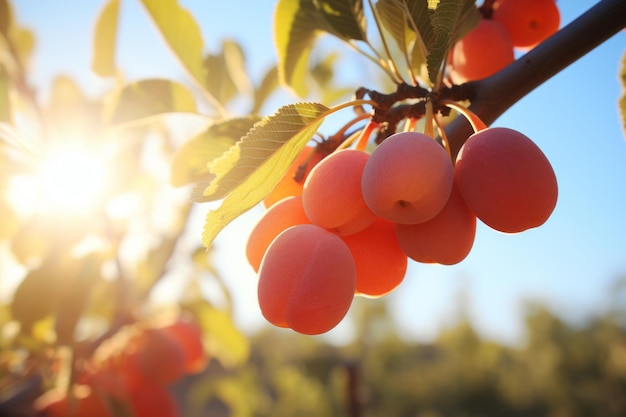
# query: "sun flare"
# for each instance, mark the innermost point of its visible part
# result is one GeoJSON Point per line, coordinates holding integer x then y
{"type": "Point", "coordinates": [72, 178]}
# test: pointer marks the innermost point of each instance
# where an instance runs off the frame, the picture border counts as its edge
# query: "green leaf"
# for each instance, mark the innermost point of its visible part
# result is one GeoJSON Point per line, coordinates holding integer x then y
{"type": "Point", "coordinates": [236, 66]}
{"type": "Point", "coordinates": [268, 85]}
{"type": "Point", "coordinates": [5, 103]}
{"type": "Point", "coordinates": [450, 20]}
{"type": "Point", "coordinates": [148, 98]}
{"type": "Point", "coordinates": [252, 167]}
{"type": "Point", "coordinates": [345, 18]}
{"type": "Point", "coordinates": [190, 162]}
{"type": "Point", "coordinates": [181, 33]}
{"type": "Point", "coordinates": [103, 60]}
{"type": "Point", "coordinates": [622, 100]}
{"type": "Point", "coordinates": [394, 19]}
{"type": "Point", "coordinates": [297, 24]}
{"type": "Point", "coordinates": [37, 294]}
{"type": "Point", "coordinates": [224, 341]}
{"type": "Point", "coordinates": [218, 80]}
{"type": "Point", "coordinates": [5, 17]}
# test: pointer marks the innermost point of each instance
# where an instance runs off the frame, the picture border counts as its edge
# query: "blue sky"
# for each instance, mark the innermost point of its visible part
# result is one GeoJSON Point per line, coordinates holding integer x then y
{"type": "Point", "coordinates": [569, 263]}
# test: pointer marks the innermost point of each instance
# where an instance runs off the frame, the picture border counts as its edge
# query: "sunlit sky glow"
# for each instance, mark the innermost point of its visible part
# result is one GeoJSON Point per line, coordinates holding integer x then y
{"type": "Point", "coordinates": [570, 262]}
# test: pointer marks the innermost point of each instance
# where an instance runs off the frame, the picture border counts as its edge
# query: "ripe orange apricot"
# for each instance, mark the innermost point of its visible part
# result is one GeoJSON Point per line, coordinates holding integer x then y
{"type": "Point", "coordinates": [528, 22]}
{"type": "Point", "coordinates": [380, 262]}
{"type": "Point", "coordinates": [445, 239]}
{"type": "Point", "coordinates": [307, 280]}
{"type": "Point", "coordinates": [506, 180]}
{"type": "Point", "coordinates": [408, 178]}
{"type": "Point", "coordinates": [332, 195]}
{"type": "Point", "coordinates": [289, 185]}
{"type": "Point", "coordinates": [281, 215]}
{"type": "Point", "coordinates": [189, 337]}
{"type": "Point", "coordinates": [485, 50]}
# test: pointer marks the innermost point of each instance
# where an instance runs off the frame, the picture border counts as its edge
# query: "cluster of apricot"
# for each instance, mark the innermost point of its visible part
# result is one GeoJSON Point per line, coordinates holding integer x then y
{"type": "Point", "coordinates": [504, 26]}
{"type": "Point", "coordinates": [129, 374]}
{"type": "Point", "coordinates": [350, 228]}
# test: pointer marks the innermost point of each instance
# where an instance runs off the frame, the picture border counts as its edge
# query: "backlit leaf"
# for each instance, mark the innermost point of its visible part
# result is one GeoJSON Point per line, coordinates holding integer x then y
{"type": "Point", "coordinates": [5, 103]}
{"type": "Point", "coordinates": [103, 60]}
{"type": "Point", "coordinates": [268, 85]}
{"type": "Point", "coordinates": [181, 33]}
{"type": "Point", "coordinates": [622, 100]}
{"type": "Point", "coordinates": [147, 98]}
{"type": "Point", "coordinates": [236, 66]}
{"type": "Point", "coordinates": [345, 18]}
{"type": "Point", "coordinates": [5, 17]}
{"type": "Point", "coordinates": [450, 20]}
{"type": "Point", "coordinates": [224, 341]}
{"type": "Point", "coordinates": [190, 162]}
{"type": "Point", "coordinates": [218, 81]}
{"type": "Point", "coordinates": [251, 168]}
{"type": "Point", "coordinates": [297, 24]}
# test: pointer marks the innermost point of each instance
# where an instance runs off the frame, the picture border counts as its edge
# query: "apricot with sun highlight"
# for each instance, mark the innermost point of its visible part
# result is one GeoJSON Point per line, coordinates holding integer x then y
{"type": "Point", "coordinates": [280, 216]}
{"type": "Point", "coordinates": [506, 180]}
{"type": "Point", "coordinates": [408, 178]}
{"type": "Point", "coordinates": [306, 280]}
{"type": "Point", "coordinates": [332, 195]}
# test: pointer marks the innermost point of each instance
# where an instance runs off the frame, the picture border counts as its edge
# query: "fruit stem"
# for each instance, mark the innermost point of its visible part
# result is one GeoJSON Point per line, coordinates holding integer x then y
{"type": "Point", "coordinates": [444, 137]}
{"type": "Point", "coordinates": [475, 121]}
{"type": "Point", "coordinates": [364, 137]}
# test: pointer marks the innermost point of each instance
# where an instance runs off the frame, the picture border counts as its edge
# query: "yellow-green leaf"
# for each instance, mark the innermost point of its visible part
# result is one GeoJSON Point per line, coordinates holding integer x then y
{"type": "Point", "coordinates": [103, 60]}
{"type": "Point", "coordinates": [296, 27]}
{"type": "Point", "coordinates": [5, 103]}
{"type": "Point", "coordinates": [190, 162]}
{"type": "Point", "coordinates": [251, 168]}
{"type": "Point", "coordinates": [450, 20]}
{"type": "Point", "coordinates": [345, 18]}
{"type": "Point", "coordinates": [224, 341]}
{"type": "Point", "coordinates": [148, 98]}
{"type": "Point", "coordinates": [5, 17]}
{"type": "Point", "coordinates": [622, 100]}
{"type": "Point", "coordinates": [181, 33]}
{"type": "Point", "coordinates": [268, 85]}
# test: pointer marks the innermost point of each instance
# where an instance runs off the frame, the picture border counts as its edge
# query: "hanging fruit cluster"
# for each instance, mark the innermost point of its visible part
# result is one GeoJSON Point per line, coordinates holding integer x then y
{"type": "Point", "coordinates": [130, 373]}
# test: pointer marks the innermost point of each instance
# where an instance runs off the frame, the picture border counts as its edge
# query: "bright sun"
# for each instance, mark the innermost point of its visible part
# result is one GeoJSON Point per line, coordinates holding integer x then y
{"type": "Point", "coordinates": [71, 178]}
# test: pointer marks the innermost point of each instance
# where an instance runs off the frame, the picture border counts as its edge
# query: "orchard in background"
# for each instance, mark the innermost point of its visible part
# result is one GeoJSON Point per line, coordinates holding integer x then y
{"type": "Point", "coordinates": [405, 177]}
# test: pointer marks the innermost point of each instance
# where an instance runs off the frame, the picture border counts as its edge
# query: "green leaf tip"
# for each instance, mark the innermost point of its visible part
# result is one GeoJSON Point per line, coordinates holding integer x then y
{"type": "Point", "coordinates": [250, 169]}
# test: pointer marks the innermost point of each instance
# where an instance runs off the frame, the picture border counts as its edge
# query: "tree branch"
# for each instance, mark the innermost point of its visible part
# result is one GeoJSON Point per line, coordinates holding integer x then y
{"type": "Point", "coordinates": [492, 96]}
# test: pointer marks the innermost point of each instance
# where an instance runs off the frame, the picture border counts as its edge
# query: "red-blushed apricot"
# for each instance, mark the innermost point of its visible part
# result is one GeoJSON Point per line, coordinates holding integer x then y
{"type": "Point", "coordinates": [506, 180]}
{"type": "Point", "coordinates": [408, 178]}
{"type": "Point", "coordinates": [281, 215]}
{"type": "Point", "coordinates": [445, 239]}
{"type": "Point", "coordinates": [380, 262]}
{"type": "Point", "coordinates": [83, 402]}
{"type": "Point", "coordinates": [485, 50]}
{"type": "Point", "coordinates": [332, 195]}
{"type": "Point", "coordinates": [189, 337]}
{"type": "Point", "coordinates": [307, 280]}
{"type": "Point", "coordinates": [528, 22]}
{"type": "Point", "coordinates": [289, 185]}
{"type": "Point", "coordinates": [157, 356]}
